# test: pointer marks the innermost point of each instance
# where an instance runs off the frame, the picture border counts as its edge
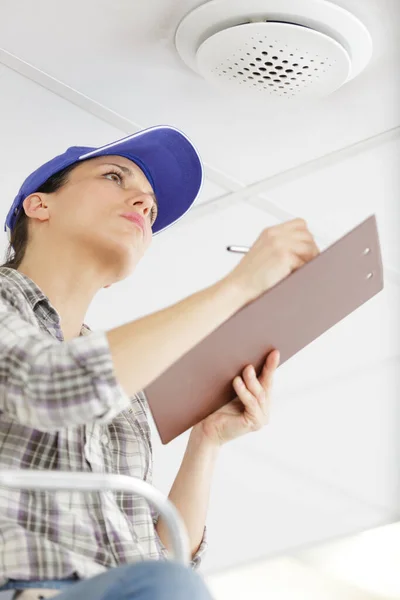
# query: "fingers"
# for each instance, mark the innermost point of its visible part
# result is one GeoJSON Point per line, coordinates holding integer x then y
{"type": "Point", "coordinates": [302, 240]}
{"type": "Point", "coordinates": [305, 236]}
{"type": "Point", "coordinates": [253, 384]}
{"type": "Point", "coordinates": [253, 414]}
{"type": "Point", "coordinates": [295, 224]}
{"type": "Point", "coordinates": [262, 385]}
{"type": "Point", "coordinates": [254, 392]}
{"type": "Point", "coordinates": [267, 374]}
{"type": "Point", "coordinates": [306, 250]}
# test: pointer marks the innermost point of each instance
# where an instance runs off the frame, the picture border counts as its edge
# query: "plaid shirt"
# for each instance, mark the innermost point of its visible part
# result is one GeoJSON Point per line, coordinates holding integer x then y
{"type": "Point", "coordinates": [61, 407]}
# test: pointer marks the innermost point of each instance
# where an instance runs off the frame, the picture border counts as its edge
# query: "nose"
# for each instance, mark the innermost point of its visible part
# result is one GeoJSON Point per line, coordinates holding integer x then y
{"type": "Point", "coordinates": [145, 201]}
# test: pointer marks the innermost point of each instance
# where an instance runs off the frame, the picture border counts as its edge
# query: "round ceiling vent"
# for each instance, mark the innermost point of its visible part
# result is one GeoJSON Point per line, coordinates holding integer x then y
{"type": "Point", "coordinates": [290, 49]}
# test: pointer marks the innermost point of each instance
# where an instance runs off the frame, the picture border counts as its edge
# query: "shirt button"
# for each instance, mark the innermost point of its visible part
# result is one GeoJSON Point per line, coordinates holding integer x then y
{"type": "Point", "coordinates": [104, 439]}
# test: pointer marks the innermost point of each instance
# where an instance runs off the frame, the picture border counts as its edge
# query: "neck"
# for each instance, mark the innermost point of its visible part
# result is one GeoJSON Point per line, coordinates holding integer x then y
{"type": "Point", "coordinates": [67, 281]}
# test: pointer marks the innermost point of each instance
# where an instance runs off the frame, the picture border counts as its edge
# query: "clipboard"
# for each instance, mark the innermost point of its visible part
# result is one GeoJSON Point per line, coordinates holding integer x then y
{"type": "Point", "coordinates": [289, 316]}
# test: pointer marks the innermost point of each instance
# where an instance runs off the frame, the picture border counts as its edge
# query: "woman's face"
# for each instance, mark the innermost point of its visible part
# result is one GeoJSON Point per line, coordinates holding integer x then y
{"type": "Point", "coordinates": [87, 212]}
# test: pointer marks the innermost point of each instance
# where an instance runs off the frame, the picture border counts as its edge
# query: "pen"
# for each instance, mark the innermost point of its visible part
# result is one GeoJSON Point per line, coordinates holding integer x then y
{"type": "Point", "coordinates": [240, 249]}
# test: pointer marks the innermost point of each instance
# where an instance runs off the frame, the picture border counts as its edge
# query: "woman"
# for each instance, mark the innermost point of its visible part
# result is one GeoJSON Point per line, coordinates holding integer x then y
{"type": "Point", "coordinates": [71, 399]}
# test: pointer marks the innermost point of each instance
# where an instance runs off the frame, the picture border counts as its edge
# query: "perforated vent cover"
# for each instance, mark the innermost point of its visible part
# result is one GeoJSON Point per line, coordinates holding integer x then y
{"type": "Point", "coordinates": [274, 58]}
{"type": "Point", "coordinates": [286, 49]}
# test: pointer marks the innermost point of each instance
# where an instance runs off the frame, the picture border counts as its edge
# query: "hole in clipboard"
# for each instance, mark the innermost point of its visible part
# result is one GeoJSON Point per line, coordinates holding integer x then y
{"type": "Point", "coordinates": [367, 251]}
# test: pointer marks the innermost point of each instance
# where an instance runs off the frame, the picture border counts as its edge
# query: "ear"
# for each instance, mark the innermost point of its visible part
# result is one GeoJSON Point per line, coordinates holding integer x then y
{"type": "Point", "coordinates": [36, 207]}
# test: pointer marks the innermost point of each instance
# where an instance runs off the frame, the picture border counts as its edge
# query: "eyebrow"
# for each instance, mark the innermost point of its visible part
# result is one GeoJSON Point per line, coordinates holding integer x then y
{"type": "Point", "coordinates": [131, 174]}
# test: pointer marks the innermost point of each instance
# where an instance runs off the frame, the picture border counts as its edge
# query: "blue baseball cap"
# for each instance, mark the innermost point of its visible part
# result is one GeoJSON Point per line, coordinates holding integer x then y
{"type": "Point", "coordinates": [166, 156]}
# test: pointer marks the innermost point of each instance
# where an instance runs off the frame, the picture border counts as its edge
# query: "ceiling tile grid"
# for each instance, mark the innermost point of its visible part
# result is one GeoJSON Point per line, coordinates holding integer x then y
{"type": "Point", "coordinates": [36, 125]}
{"type": "Point", "coordinates": [134, 49]}
{"type": "Point", "coordinates": [336, 198]}
{"type": "Point", "coordinates": [327, 465]}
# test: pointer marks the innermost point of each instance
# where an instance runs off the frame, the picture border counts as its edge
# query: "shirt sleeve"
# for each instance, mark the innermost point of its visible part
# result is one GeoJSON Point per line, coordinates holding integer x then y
{"type": "Point", "coordinates": [196, 559]}
{"type": "Point", "coordinates": [50, 385]}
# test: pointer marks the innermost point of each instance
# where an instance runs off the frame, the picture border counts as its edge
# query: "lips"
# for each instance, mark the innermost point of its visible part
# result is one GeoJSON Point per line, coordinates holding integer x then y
{"type": "Point", "coordinates": [135, 218]}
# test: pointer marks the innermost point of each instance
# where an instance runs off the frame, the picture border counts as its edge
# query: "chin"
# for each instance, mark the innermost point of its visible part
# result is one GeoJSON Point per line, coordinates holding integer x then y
{"type": "Point", "coordinates": [125, 268]}
{"type": "Point", "coordinates": [122, 257]}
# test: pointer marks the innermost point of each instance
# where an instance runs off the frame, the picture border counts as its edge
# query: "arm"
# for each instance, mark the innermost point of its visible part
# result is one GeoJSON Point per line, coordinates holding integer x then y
{"type": "Point", "coordinates": [248, 412]}
{"type": "Point", "coordinates": [191, 489]}
{"type": "Point", "coordinates": [143, 349]}
{"type": "Point", "coordinates": [50, 385]}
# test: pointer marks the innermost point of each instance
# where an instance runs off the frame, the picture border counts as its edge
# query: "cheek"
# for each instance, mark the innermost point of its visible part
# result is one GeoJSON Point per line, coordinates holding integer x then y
{"type": "Point", "coordinates": [87, 208]}
{"type": "Point", "coordinates": [99, 198]}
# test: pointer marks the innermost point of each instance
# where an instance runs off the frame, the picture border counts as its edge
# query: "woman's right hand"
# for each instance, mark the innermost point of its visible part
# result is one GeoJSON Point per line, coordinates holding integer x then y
{"type": "Point", "coordinates": [277, 252]}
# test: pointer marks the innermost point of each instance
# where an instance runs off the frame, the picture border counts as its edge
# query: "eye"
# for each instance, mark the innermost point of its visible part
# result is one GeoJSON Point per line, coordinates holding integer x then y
{"type": "Point", "coordinates": [114, 176]}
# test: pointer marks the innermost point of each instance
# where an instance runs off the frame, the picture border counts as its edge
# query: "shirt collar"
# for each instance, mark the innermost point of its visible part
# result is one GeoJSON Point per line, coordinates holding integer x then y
{"type": "Point", "coordinates": [34, 294]}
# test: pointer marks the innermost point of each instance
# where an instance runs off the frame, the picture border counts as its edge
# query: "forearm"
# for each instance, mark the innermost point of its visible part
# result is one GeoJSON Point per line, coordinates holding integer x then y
{"type": "Point", "coordinates": [141, 350]}
{"type": "Point", "coordinates": [190, 492]}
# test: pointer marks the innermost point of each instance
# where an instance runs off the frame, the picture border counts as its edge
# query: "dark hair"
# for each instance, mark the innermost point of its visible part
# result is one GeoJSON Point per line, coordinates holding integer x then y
{"type": "Point", "coordinates": [19, 235]}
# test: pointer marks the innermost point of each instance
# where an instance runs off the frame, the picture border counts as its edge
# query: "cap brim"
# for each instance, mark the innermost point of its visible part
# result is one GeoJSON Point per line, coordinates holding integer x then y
{"type": "Point", "coordinates": [171, 163]}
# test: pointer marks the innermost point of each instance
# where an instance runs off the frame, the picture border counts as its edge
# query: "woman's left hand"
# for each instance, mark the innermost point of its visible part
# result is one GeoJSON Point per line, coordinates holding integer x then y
{"type": "Point", "coordinates": [249, 411]}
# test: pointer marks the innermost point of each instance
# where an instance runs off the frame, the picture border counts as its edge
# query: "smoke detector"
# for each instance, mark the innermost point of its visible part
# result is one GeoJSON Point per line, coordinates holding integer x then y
{"type": "Point", "coordinates": [288, 49]}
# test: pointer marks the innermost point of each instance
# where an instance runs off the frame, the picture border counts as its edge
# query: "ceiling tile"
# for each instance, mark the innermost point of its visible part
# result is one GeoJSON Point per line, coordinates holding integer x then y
{"type": "Point", "coordinates": [210, 191]}
{"type": "Point", "coordinates": [334, 199]}
{"type": "Point", "coordinates": [118, 51]}
{"type": "Point", "coordinates": [327, 464]}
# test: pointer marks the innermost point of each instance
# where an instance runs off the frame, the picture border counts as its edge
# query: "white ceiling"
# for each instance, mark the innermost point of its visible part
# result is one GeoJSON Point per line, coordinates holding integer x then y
{"type": "Point", "coordinates": [90, 72]}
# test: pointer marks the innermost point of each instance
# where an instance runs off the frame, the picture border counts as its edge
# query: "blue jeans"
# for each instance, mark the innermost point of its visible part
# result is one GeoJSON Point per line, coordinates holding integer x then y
{"type": "Point", "coordinates": [148, 580]}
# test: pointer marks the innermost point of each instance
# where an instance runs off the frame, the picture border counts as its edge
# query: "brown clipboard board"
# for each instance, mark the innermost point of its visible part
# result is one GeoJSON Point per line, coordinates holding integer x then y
{"type": "Point", "coordinates": [289, 316]}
